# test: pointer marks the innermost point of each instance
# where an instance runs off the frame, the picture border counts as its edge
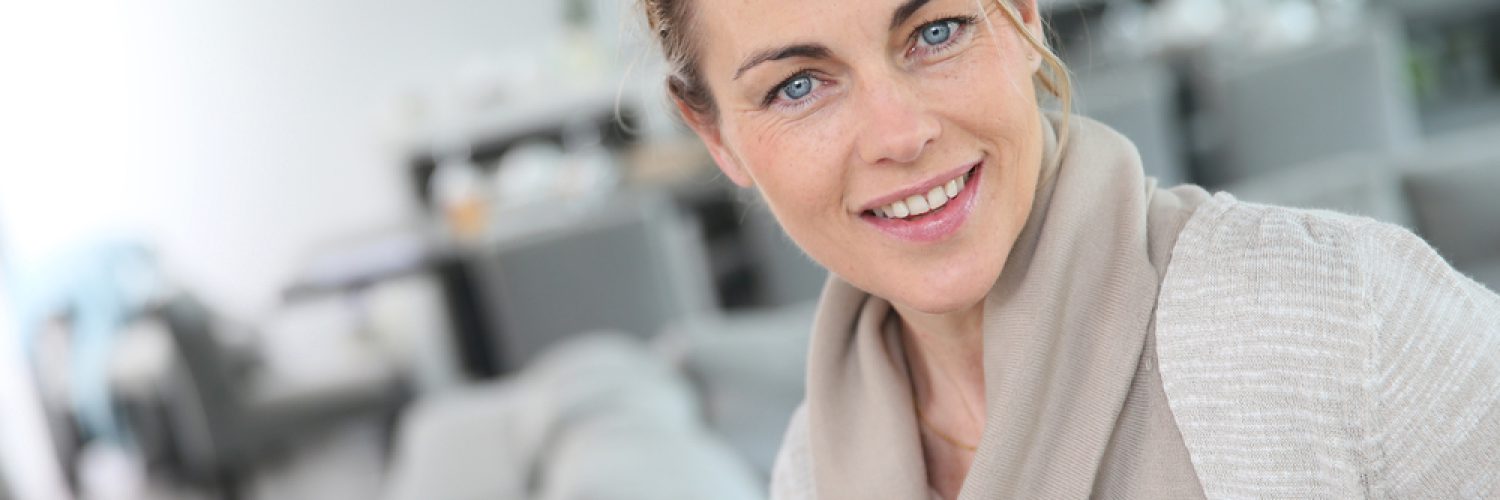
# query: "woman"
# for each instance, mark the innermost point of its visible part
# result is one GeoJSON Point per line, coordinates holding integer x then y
{"type": "Point", "coordinates": [1014, 311]}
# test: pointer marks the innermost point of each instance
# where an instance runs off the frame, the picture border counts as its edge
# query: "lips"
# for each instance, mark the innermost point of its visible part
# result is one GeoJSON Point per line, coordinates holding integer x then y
{"type": "Point", "coordinates": [919, 204]}
{"type": "Point", "coordinates": [932, 212]}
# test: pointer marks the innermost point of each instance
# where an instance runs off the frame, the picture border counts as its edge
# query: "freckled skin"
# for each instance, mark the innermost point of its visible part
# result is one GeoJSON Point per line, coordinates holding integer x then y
{"type": "Point", "coordinates": [883, 116]}
{"type": "Point", "coordinates": [887, 109]}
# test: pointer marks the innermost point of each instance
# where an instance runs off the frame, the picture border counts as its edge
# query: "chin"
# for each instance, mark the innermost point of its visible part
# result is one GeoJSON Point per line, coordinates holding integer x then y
{"type": "Point", "coordinates": [942, 303]}
{"type": "Point", "coordinates": [945, 297]}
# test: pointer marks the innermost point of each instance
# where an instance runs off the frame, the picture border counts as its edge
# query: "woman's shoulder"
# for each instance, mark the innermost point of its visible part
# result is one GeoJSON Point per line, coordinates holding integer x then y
{"type": "Point", "coordinates": [1224, 226]}
{"type": "Point", "coordinates": [1273, 252]}
{"type": "Point", "coordinates": [1288, 332]}
{"type": "Point", "coordinates": [1253, 274]}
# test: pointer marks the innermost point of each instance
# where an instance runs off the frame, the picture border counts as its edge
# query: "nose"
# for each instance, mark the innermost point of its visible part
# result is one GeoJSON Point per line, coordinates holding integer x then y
{"type": "Point", "coordinates": [897, 126]}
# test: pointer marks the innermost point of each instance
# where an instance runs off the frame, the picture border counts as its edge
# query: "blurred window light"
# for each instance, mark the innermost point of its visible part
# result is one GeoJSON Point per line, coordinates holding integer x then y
{"type": "Point", "coordinates": [28, 467]}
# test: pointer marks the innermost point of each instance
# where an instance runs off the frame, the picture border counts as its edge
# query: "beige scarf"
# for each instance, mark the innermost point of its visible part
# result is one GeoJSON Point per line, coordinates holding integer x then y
{"type": "Point", "coordinates": [1074, 402]}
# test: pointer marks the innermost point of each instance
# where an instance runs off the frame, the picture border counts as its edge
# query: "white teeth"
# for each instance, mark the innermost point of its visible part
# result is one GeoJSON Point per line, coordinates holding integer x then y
{"type": "Point", "coordinates": [920, 204]}
{"type": "Point", "coordinates": [937, 198]}
{"type": "Point", "coordinates": [917, 204]}
{"type": "Point", "coordinates": [898, 210]}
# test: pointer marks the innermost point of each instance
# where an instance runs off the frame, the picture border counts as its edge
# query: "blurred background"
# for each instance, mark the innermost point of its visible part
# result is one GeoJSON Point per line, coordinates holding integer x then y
{"type": "Point", "coordinates": [461, 249]}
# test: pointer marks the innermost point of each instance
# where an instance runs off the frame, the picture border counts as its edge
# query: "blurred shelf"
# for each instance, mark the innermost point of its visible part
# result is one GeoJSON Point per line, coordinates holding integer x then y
{"type": "Point", "coordinates": [1444, 118]}
{"type": "Point", "coordinates": [1453, 54]}
{"type": "Point", "coordinates": [1438, 9]}
{"type": "Point", "coordinates": [491, 134]}
{"type": "Point", "coordinates": [1050, 7]}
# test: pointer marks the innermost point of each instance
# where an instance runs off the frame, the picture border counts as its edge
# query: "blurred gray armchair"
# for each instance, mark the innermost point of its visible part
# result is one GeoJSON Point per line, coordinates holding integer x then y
{"type": "Point", "coordinates": [222, 415]}
{"type": "Point", "coordinates": [788, 276]}
{"type": "Point", "coordinates": [698, 415]}
{"type": "Point", "coordinates": [631, 263]}
{"type": "Point", "coordinates": [1346, 92]}
{"type": "Point", "coordinates": [748, 371]}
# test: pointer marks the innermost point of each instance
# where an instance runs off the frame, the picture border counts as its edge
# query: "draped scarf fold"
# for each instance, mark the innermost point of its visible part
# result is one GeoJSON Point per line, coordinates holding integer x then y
{"type": "Point", "coordinates": [1074, 403]}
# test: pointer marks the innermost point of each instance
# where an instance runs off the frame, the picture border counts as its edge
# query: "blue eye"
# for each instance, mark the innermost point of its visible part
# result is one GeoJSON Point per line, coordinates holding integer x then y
{"type": "Point", "coordinates": [797, 87]}
{"type": "Point", "coordinates": [939, 32]}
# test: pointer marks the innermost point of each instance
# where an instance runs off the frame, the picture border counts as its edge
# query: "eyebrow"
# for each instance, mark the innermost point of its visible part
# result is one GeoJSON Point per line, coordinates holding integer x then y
{"type": "Point", "coordinates": [809, 50]}
{"type": "Point", "coordinates": [816, 51]}
{"type": "Point", "coordinates": [905, 11]}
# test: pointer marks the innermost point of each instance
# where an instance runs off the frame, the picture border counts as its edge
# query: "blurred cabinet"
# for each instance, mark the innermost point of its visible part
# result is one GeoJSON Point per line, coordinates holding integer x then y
{"type": "Point", "coordinates": [1454, 61]}
{"type": "Point", "coordinates": [631, 260]}
{"type": "Point", "coordinates": [489, 136]}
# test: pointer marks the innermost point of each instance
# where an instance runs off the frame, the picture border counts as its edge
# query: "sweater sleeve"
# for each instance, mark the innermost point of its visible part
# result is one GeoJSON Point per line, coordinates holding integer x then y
{"type": "Point", "coordinates": [1433, 373]}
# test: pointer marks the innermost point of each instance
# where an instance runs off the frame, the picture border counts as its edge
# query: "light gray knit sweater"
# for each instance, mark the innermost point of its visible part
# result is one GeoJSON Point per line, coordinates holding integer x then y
{"type": "Point", "coordinates": [1309, 354]}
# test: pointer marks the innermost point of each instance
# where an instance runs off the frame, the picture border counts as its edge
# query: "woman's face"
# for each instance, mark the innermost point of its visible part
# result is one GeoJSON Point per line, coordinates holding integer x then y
{"type": "Point", "coordinates": [898, 142]}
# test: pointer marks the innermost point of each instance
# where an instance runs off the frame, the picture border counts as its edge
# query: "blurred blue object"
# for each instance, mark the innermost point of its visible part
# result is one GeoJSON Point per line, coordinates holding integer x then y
{"type": "Point", "coordinates": [98, 288]}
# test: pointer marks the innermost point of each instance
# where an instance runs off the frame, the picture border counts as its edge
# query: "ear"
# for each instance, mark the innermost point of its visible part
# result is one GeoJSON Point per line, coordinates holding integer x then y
{"type": "Point", "coordinates": [1031, 19]}
{"type": "Point", "coordinates": [708, 131]}
{"type": "Point", "coordinates": [1030, 15]}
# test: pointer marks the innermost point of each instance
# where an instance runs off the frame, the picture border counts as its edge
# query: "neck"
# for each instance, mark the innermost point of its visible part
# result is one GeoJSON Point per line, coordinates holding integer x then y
{"type": "Point", "coordinates": [945, 353]}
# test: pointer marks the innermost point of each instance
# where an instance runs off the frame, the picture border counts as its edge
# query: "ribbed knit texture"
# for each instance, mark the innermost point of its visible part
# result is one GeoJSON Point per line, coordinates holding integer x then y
{"type": "Point", "coordinates": [1309, 354]}
{"type": "Point", "coordinates": [1074, 406]}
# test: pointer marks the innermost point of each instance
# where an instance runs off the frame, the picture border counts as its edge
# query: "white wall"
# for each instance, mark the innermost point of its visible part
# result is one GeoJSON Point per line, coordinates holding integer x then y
{"type": "Point", "coordinates": [28, 468]}
{"type": "Point", "coordinates": [236, 136]}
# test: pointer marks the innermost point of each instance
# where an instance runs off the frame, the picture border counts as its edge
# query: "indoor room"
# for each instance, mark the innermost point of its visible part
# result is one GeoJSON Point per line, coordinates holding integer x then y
{"type": "Point", "coordinates": [472, 249]}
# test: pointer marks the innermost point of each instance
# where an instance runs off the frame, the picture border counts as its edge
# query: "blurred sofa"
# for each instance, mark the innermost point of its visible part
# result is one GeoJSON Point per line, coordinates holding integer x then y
{"type": "Point", "coordinates": [1443, 191]}
{"type": "Point", "coordinates": [1347, 90]}
{"type": "Point", "coordinates": [697, 411]}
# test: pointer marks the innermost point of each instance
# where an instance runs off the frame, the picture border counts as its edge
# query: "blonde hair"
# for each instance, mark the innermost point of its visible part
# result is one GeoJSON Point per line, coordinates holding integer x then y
{"type": "Point", "coordinates": [1053, 77]}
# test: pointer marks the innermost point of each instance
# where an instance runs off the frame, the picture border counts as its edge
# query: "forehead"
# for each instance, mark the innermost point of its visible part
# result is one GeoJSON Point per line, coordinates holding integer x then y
{"type": "Point", "coordinates": [734, 28]}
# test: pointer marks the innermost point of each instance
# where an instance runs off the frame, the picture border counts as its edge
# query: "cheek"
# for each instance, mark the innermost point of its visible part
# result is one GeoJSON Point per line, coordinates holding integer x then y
{"type": "Point", "coordinates": [982, 87]}
{"type": "Point", "coordinates": [802, 175]}
{"type": "Point", "coordinates": [987, 93]}
{"type": "Point", "coordinates": [798, 167]}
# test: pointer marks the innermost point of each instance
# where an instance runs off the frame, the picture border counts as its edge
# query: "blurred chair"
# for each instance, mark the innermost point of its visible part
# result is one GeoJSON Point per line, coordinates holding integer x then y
{"type": "Point", "coordinates": [224, 414]}
{"type": "Point", "coordinates": [630, 263]}
{"type": "Point", "coordinates": [748, 370]}
{"type": "Point", "coordinates": [1347, 92]}
{"type": "Point", "coordinates": [464, 443]}
{"type": "Point", "coordinates": [596, 416]}
{"type": "Point", "coordinates": [1139, 99]}
{"type": "Point", "coordinates": [787, 275]}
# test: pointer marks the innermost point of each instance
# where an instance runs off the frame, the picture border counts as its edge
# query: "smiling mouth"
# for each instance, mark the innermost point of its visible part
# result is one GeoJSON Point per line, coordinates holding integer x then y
{"type": "Point", "coordinates": [920, 206]}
